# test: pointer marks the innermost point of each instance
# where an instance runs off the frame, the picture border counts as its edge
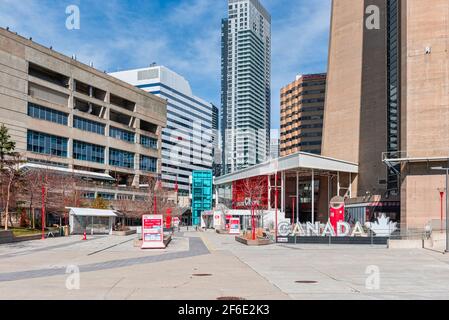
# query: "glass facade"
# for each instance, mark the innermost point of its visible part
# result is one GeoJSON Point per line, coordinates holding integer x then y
{"type": "Point", "coordinates": [88, 125]}
{"type": "Point", "coordinates": [393, 74]}
{"type": "Point", "coordinates": [148, 142]}
{"type": "Point", "coordinates": [121, 158]}
{"type": "Point", "coordinates": [122, 134]}
{"type": "Point", "coordinates": [88, 152]}
{"type": "Point", "coordinates": [148, 164]}
{"type": "Point", "coordinates": [44, 113]}
{"type": "Point", "coordinates": [88, 195]}
{"type": "Point", "coordinates": [202, 194]}
{"type": "Point", "coordinates": [46, 144]}
{"type": "Point", "coordinates": [106, 196]}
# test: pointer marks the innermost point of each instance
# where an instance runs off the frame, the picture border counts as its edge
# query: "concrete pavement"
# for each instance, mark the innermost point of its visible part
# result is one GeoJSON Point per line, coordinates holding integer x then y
{"type": "Point", "coordinates": [206, 265]}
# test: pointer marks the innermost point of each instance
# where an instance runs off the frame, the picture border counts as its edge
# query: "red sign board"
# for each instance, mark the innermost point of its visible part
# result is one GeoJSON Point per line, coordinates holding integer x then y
{"type": "Point", "coordinates": [168, 219]}
{"type": "Point", "coordinates": [152, 232]}
{"type": "Point", "coordinates": [234, 226]}
{"type": "Point", "coordinates": [337, 214]}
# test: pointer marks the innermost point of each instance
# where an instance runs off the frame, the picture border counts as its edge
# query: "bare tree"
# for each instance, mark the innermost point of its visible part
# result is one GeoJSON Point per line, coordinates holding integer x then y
{"type": "Point", "coordinates": [31, 191]}
{"type": "Point", "coordinates": [253, 190]}
{"type": "Point", "coordinates": [159, 199]}
{"type": "Point", "coordinates": [10, 172]}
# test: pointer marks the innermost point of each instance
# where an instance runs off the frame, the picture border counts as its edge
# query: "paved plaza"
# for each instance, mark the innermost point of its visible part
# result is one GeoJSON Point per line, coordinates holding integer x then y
{"type": "Point", "coordinates": [205, 265]}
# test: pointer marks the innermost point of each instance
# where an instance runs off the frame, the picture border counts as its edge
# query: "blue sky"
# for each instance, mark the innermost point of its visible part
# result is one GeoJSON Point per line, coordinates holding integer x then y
{"type": "Point", "coordinates": [183, 35]}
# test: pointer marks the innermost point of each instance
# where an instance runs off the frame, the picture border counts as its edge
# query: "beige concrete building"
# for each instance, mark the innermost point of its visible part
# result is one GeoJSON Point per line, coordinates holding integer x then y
{"type": "Point", "coordinates": [387, 104]}
{"type": "Point", "coordinates": [65, 114]}
{"type": "Point", "coordinates": [302, 108]}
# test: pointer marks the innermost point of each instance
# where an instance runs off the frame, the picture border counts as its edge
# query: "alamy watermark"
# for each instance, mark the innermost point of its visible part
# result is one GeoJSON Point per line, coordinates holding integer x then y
{"type": "Point", "coordinates": [73, 281]}
{"type": "Point", "coordinates": [73, 21]}
{"type": "Point", "coordinates": [372, 282]}
{"type": "Point", "coordinates": [372, 21]}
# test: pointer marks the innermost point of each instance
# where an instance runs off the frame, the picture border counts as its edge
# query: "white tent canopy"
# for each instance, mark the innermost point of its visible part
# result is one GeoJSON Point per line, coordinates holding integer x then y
{"type": "Point", "coordinates": [91, 221]}
{"type": "Point", "coordinates": [87, 212]}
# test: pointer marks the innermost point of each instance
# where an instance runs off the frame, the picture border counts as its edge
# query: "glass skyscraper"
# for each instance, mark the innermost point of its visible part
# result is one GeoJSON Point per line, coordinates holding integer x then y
{"type": "Point", "coordinates": [246, 85]}
{"type": "Point", "coordinates": [187, 141]}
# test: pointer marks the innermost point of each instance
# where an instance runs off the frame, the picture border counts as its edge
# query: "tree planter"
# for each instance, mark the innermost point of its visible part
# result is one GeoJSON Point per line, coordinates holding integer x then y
{"type": "Point", "coordinates": [167, 240]}
{"type": "Point", "coordinates": [257, 242]}
{"type": "Point", "coordinates": [222, 232]}
{"type": "Point", "coordinates": [124, 233]}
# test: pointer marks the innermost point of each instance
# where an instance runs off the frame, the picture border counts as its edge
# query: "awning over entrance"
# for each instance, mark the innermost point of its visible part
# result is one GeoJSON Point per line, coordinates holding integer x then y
{"type": "Point", "coordinates": [295, 161]}
{"type": "Point", "coordinates": [85, 212]}
{"type": "Point", "coordinates": [79, 173]}
{"type": "Point", "coordinates": [292, 184]}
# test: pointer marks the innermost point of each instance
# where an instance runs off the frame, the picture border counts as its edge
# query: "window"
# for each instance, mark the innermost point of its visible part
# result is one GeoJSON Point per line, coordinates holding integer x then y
{"type": "Point", "coordinates": [148, 142]}
{"type": "Point", "coordinates": [106, 196]}
{"type": "Point", "coordinates": [47, 114]}
{"type": "Point", "coordinates": [88, 152]}
{"type": "Point", "coordinates": [88, 125]}
{"type": "Point", "coordinates": [148, 164]}
{"type": "Point", "coordinates": [121, 134]}
{"type": "Point", "coordinates": [120, 158]}
{"type": "Point", "coordinates": [48, 75]}
{"type": "Point", "coordinates": [123, 103]}
{"type": "Point", "coordinates": [46, 144]}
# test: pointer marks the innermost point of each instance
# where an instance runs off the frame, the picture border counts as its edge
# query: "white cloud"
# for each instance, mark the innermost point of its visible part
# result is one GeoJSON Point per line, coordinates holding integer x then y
{"type": "Point", "coordinates": [186, 37]}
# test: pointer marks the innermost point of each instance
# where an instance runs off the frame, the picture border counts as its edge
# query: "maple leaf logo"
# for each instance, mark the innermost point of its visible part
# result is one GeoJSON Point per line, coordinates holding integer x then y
{"type": "Point", "coordinates": [383, 227]}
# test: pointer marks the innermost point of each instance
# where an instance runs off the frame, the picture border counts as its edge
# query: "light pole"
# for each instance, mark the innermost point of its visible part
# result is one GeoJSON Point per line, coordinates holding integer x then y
{"type": "Point", "coordinates": [441, 192]}
{"type": "Point", "coordinates": [43, 212]}
{"type": "Point", "coordinates": [293, 209]}
{"type": "Point", "coordinates": [253, 221]}
{"type": "Point", "coordinates": [276, 198]}
{"type": "Point", "coordinates": [447, 205]}
{"type": "Point", "coordinates": [276, 208]}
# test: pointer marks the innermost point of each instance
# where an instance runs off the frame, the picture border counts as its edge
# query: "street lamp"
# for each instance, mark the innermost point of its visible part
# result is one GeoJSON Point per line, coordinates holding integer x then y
{"type": "Point", "coordinates": [441, 192]}
{"type": "Point", "coordinates": [293, 209]}
{"type": "Point", "coordinates": [447, 204]}
{"type": "Point", "coordinates": [276, 198]}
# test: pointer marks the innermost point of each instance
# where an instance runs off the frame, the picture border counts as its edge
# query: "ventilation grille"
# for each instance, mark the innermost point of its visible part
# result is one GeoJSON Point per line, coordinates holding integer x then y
{"type": "Point", "coordinates": [148, 74]}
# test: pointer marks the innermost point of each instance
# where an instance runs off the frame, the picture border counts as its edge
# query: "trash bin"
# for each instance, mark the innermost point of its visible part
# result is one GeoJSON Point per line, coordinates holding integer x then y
{"type": "Point", "coordinates": [66, 231]}
{"type": "Point", "coordinates": [61, 231]}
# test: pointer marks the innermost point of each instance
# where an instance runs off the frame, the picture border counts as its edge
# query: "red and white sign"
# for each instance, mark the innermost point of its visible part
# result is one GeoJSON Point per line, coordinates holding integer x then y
{"type": "Point", "coordinates": [234, 226]}
{"type": "Point", "coordinates": [337, 214]}
{"type": "Point", "coordinates": [217, 221]}
{"type": "Point", "coordinates": [153, 232]}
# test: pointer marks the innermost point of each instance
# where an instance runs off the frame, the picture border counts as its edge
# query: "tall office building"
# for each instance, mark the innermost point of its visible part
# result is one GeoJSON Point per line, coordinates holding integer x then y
{"type": "Point", "coordinates": [274, 148]}
{"type": "Point", "coordinates": [216, 150]}
{"type": "Point", "coordinates": [387, 101]}
{"type": "Point", "coordinates": [302, 109]}
{"type": "Point", "coordinates": [246, 74]}
{"type": "Point", "coordinates": [187, 139]}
